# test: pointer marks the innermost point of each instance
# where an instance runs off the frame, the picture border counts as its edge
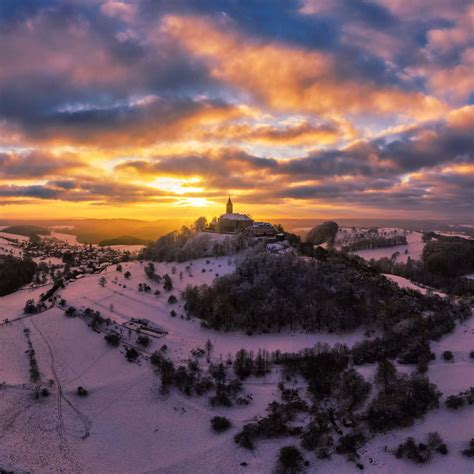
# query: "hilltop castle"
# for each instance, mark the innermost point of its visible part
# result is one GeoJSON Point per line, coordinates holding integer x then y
{"type": "Point", "coordinates": [232, 222]}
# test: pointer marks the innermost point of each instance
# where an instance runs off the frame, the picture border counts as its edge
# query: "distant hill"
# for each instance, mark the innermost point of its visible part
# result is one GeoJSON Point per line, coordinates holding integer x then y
{"type": "Point", "coordinates": [27, 230]}
{"type": "Point", "coordinates": [123, 240]}
{"type": "Point", "coordinates": [96, 230]}
{"type": "Point", "coordinates": [93, 231]}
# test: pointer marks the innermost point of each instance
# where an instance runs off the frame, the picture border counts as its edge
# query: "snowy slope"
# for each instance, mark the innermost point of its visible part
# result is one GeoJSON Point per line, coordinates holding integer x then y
{"type": "Point", "coordinates": [132, 428]}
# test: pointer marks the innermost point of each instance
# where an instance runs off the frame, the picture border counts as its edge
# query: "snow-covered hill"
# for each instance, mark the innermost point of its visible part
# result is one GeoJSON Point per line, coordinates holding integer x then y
{"type": "Point", "coordinates": [127, 425]}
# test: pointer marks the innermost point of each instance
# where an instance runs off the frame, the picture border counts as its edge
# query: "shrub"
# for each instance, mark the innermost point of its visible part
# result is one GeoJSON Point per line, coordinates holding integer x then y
{"type": "Point", "coordinates": [143, 341]}
{"type": "Point", "coordinates": [82, 392]}
{"type": "Point", "coordinates": [457, 401]}
{"type": "Point", "coordinates": [421, 452]}
{"type": "Point", "coordinates": [167, 283]}
{"type": "Point", "coordinates": [70, 312]}
{"type": "Point", "coordinates": [469, 452]}
{"type": "Point", "coordinates": [243, 364]}
{"type": "Point", "coordinates": [408, 398]}
{"type": "Point", "coordinates": [220, 424]}
{"type": "Point", "coordinates": [448, 355]}
{"type": "Point", "coordinates": [454, 402]}
{"type": "Point", "coordinates": [290, 460]}
{"type": "Point", "coordinates": [409, 449]}
{"type": "Point", "coordinates": [131, 354]}
{"type": "Point", "coordinates": [471, 354]}
{"type": "Point", "coordinates": [112, 339]}
{"type": "Point", "coordinates": [172, 299]}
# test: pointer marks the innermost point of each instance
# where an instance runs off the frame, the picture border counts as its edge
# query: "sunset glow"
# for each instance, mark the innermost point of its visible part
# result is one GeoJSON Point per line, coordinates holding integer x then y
{"type": "Point", "coordinates": [305, 108]}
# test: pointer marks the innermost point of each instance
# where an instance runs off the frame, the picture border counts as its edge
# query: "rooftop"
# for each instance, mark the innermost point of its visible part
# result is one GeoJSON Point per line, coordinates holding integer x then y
{"type": "Point", "coordinates": [235, 217]}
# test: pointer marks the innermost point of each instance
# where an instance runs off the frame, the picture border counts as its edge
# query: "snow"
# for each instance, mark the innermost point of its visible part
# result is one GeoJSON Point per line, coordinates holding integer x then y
{"type": "Point", "coordinates": [133, 428]}
{"type": "Point", "coordinates": [236, 217]}
{"type": "Point", "coordinates": [7, 247]}
{"type": "Point", "coordinates": [183, 335]}
{"type": "Point", "coordinates": [406, 283]}
{"type": "Point", "coordinates": [18, 237]}
{"type": "Point", "coordinates": [69, 238]}
{"type": "Point", "coordinates": [414, 246]}
{"type": "Point", "coordinates": [463, 235]}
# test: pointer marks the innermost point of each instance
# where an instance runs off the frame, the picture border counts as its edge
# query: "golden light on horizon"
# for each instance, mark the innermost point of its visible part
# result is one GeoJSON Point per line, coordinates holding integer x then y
{"type": "Point", "coordinates": [177, 186]}
{"type": "Point", "coordinates": [180, 107]}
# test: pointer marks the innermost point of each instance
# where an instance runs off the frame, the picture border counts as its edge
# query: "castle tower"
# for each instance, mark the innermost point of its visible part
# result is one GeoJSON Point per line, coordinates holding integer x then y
{"type": "Point", "coordinates": [229, 207]}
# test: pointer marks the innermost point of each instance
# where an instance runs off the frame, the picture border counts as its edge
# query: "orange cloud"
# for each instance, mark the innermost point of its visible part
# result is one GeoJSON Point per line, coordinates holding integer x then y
{"type": "Point", "coordinates": [290, 78]}
{"type": "Point", "coordinates": [296, 132]}
{"type": "Point", "coordinates": [457, 82]}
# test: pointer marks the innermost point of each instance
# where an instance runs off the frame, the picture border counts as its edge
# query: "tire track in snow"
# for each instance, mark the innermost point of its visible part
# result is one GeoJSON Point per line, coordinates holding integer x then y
{"type": "Point", "coordinates": [64, 445]}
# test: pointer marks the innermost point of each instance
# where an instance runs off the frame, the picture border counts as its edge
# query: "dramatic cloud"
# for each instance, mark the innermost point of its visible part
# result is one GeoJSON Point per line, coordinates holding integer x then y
{"type": "Point", "coordinates": [37, 164]}
{"type": "Point", "coordinates": [293, 106]}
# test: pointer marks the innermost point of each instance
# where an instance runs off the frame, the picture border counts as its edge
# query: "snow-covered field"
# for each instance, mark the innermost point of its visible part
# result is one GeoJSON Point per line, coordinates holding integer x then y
{"type": "Point", "coordinates": [405, 283]}
{"type": "Point", "coordinates": [132, 428]}
{"type": "Point", "coordinates": [70, 239]}
{"type": "Point", "coordinates": [413, 249]}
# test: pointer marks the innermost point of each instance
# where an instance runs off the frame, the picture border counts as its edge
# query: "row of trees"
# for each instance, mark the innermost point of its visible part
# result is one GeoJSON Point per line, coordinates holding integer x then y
{"type": "Point", "coordinates": [375, 242]}
{"type": "Point", "coordinates": [444, 263]}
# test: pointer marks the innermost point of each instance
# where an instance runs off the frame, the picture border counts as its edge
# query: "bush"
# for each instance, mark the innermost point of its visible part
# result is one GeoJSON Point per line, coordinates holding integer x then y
{"type": "Point", "coordinates": [143, 341]}
{"type": "Point", "coordinates": [131, 354]}
{"type": "Point", "coordinates": [167, 283]}
{"type": "Point", "coordinates": [243, 364]}
{"type": "Point", "coordinates": [454, 402]}
{"type": "Point", "coordinates": [448, 355]}
{"type": "Point", "coordinates": [290, 460]}
{"type": "Point", "coordinates": [70, 312]}
{"type": "Point", "coordinates": [469, 452]}
{"type": "Point", "coordinates": [457, 401]}
{"type": "Point", "coordinates": [112, 339]}
{"type": "Point", "coordinates": [421, 452]}
{"type": "Point", "coordinates": [408, 398]}
{"type": "Point", "coordinates": [172, 299]}
{"type": "Point", "coordinates": [471, 354]}
{"type": "Point", "coordinates": [82, 392]}
{"type": "Point", "coordinates": [44, 392]}
{"type": "Point", "coordinates": [220, 424]}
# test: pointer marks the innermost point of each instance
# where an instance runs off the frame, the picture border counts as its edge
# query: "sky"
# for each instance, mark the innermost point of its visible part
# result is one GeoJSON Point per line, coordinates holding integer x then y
{"type": "Point", "coordinates": [155, 109]}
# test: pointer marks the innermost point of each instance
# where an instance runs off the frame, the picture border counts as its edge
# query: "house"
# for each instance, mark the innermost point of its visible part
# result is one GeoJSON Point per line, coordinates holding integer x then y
{"type": "Point", "coordinates": [262, 229]}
